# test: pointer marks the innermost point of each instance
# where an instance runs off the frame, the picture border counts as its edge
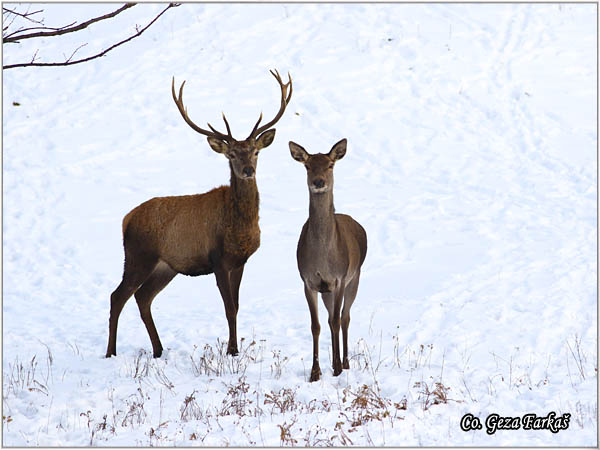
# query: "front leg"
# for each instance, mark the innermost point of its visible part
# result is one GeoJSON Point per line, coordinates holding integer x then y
{"type": "Point", "coordinates": [223, 282]}
{"type": "Point", "coordinates": [312, 298]}
{"type": "Point", "coordinates": [235, 278]}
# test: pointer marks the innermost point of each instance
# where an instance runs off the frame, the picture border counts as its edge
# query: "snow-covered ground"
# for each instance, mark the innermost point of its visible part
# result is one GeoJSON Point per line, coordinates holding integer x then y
{"type": "Point", "coordinates": [471, 163]}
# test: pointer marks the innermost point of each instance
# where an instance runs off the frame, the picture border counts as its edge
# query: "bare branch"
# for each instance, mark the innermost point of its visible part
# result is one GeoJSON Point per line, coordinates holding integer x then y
{"type": "Point", "coordinates": [66, 29]}
{"type": "Point", "coordinates": [98, 55]}
{"type": "Point", "coordinates": [21, 30]}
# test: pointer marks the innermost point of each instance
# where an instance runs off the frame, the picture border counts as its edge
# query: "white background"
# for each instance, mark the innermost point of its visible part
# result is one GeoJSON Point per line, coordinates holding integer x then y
{"type": "Point", "coordinates": [471, 163]}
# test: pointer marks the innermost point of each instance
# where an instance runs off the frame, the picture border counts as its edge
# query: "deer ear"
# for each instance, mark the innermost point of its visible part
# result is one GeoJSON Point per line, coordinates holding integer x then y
{"type": "Point", "coordinates": [265, 139]}
{"type": "Point", "coordinates": [298, 153]}
{"type": "Point", "coordinates": [338, 150]}
{"type": "Point", "coordinates": [217, 145]}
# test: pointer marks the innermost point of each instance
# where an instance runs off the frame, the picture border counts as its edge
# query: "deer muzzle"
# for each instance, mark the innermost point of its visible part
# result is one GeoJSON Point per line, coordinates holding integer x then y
{"type": "Point", "coordinates": [319, 183]}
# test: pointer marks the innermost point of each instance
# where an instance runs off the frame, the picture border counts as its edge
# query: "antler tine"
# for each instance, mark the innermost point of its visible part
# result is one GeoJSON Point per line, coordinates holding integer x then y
{"type": "Point", "coordinates": [280, 81]}
{"type": "Point", "coordinates": [285, 99]}
{"type": "Point", "coordinates": [183, 111]}
{"type": "Point", "coordinates": [276, 75]}
{"type": "Point", "coordinates": [226, 124]}
{"type": "Point", "coordinates": [212, 128]}
{"type": "Point", "coordinates": [289, 97]}
{"type": "Point", "coordinates": [256, 126]}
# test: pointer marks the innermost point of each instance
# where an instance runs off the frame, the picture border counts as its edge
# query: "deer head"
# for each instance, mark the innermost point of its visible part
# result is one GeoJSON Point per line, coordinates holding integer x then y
{"type": "Point", "coordinates": [319, 167]}
{"type": "Point", "coordinates": [242, 155]}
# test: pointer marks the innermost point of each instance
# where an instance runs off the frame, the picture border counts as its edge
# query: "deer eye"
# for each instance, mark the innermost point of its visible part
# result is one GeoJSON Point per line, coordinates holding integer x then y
{"type": "Point", "coordinates": [232, 155]}
{"type": "Point", "coordinates": [256, 153]}
{"type": "Point", "coordinates": [331, 166]}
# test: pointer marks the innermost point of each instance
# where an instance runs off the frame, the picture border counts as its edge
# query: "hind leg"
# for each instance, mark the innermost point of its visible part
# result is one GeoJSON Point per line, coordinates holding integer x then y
{"type": "Point", "coordinates": [333, 303]}
{"type": "Point", "coordinates": [158, 280]}
{"type": "Point", "coordinates": [135, 273]}
{"type": "Point", "coordinates": [349, 296]}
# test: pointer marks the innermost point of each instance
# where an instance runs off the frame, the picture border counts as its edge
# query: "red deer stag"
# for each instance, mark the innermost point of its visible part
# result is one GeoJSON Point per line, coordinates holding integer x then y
{"type": "Point", "coordinates": [196, 234]}
{"type": "Point", "coordinates": [331, 250]}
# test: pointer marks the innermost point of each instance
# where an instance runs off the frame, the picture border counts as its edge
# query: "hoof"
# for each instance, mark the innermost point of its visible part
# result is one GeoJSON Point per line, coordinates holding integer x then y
{"type": "Point", "coordinates": [337, 369]}
{"type": "Point", "coordinates": [346, 364]}
{"type": "Point", "coordinates": [232, 351]}
{"type": "Point", "coordinates": [157, 353]}
{"type": "Point", "coordinates": [315, 374]}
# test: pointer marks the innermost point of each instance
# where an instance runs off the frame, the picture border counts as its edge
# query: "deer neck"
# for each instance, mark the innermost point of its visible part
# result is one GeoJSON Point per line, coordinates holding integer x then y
{"type": "Point", "coordinates": [244, 198]}
{"type": "Point", "coordinates": [321, 219]}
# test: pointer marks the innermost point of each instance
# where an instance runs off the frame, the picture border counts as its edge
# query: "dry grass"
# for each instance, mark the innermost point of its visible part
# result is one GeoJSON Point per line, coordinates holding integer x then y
{"type": "Point", "coordinates": [236, 395]}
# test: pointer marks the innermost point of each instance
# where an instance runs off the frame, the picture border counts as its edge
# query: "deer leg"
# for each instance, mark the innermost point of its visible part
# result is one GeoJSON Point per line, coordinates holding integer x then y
{"type": "Point", "coordinates": [133, 276]}
{"type": "Point", "coordinates": [349, 296]}
{"type": "Point", "coordinates": [224, 284]}
{"type": "Point", "coordinates": [333, 303]}
{"type": "Point", "coordinates": [312, 297]}
{"type": "Point", "coordinates": [235, 278]}
{"type": "Point", "coordinates": [144, 296]}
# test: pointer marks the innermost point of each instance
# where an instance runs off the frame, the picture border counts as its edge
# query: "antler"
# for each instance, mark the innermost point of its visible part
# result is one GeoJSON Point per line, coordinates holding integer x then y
{"type": "Point", "coordinates": [285, 99]}
{"type": "Point", "coordinates": [214, 133]}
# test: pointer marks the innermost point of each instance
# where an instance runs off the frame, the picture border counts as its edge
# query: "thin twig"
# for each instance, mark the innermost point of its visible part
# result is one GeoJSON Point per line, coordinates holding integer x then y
{"type": "Point", "coordinates": [12, 15]}
{"type": "Point", "coordinates": [73, 54]}
{"type": "Point", "coordinates": [26, 15]}
{"type": "Point", "coordinates": [34, 55]}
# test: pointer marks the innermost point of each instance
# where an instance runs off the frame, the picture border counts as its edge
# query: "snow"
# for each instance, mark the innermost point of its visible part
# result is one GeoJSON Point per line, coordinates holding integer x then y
{"type": "Point", "coordinates": [471, 164]}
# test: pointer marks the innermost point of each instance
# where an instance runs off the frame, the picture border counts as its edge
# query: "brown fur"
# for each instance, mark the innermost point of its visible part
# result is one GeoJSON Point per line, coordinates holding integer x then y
{"type": "Point", "coordinates": [180, 229]}
{"type": "Point", "coordinates": [331, 250]}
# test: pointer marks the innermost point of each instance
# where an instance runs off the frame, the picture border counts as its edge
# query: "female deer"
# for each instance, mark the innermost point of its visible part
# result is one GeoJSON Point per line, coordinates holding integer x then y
{"type": "Point", "coordinates": [331, 250]}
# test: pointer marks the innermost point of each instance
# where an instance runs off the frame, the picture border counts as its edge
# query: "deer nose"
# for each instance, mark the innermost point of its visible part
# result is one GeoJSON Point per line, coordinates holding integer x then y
{"type": "Point", "coordinates": [248, 171]}
{"type": "Point", "coordinates": [319, 183]}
